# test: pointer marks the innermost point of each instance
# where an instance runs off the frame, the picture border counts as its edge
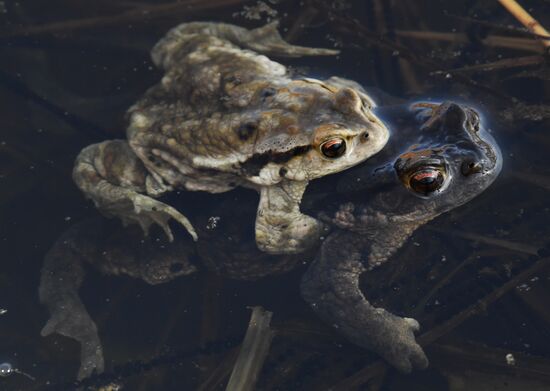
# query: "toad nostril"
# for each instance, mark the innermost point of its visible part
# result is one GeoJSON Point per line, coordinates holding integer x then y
{"type": "Point", "coordinates": [365, 136]}
{"type": "Point", "coordinates": [470, 167]}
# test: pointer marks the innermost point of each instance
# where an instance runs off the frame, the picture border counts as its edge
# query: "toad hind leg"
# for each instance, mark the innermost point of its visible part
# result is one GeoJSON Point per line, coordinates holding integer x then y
{"type": "Point", "coordinates": [105, 245]}
{"type": "Point", "coordinates": [61, 277]}
{"type": "Point", "coordinates": [280, 226]}
{"type": "Point", "coordinates": [267, 40]}
{"type": "Point", "coordinates": [264, 40]}
{"type": "Point", "coordinates": [331, 287]}
{"type": "Point", "coordinates": [116, 180]}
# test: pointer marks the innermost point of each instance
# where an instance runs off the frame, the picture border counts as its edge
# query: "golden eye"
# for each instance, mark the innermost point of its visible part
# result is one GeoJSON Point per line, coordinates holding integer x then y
{"type": "Point", "coordinates": [333, 148]}
{"type": "Point", "coordinates": [426, 181]}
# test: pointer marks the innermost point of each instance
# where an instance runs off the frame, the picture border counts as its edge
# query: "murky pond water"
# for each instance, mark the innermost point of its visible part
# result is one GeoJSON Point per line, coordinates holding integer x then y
{"type": "Point", "coordinates": [476, 278]}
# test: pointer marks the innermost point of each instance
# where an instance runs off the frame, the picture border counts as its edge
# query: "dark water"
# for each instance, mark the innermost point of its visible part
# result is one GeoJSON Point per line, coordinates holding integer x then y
{"type": "Point", "coordinates": [68, 84]}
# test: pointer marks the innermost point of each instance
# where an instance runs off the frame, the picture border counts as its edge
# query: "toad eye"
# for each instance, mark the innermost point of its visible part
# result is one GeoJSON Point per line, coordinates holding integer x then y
{"type": "Point", "coordinates": [426, 181]}
{"type": "Point", "coordinates": [333, 148]}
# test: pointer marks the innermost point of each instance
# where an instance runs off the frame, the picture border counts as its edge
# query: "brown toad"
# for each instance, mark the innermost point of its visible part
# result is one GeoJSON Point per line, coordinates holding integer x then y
{"type": "Point", "coordinates": [226, 116]}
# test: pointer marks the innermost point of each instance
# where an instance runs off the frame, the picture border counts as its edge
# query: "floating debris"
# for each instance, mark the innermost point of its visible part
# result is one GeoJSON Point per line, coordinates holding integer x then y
{"type": "Point", "coordinates": [3, 311]}
{"type": "Point", "coordinates": [213, 222]}
{"type": "Point", "coordinates": [510, 360]}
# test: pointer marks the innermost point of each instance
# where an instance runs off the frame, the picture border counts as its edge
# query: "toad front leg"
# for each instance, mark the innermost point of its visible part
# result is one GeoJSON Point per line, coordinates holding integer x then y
{"type": "Point", "coordinates": [117, 181]}
{"type": "Point", "coordinates": [331, 286]}
{"type": "Point", "coordinates": [280, 226]}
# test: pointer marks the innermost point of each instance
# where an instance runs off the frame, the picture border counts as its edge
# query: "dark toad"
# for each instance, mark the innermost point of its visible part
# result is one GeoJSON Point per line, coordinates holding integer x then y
{"type": "Point", "coordinates": [437, 159]}
{"type": "Point", "coordinates": [451, 161]}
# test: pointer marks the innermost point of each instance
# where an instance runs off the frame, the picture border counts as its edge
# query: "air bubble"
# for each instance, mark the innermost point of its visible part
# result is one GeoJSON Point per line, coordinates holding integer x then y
{"type": "Point", "coordinates": [6, 369]}
{"type": "Point", "coordinates": [213, 222]}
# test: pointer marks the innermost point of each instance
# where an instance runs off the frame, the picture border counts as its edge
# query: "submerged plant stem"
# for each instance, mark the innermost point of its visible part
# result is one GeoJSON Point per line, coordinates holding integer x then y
{"type": "Point", "coordinates": [527, 20]}
{"type": "Point", "coordinates": [255, 347]}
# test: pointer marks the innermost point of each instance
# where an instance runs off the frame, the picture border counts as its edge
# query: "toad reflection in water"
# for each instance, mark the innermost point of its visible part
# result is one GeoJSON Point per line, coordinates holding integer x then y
{"type": "Point", "coordinates": [225, 116]}
{"type": "Point", "coordinates": [438, 158]}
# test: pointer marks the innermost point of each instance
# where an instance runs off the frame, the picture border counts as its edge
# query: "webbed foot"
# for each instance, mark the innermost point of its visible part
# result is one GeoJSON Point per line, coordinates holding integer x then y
{"type": "Point", "coordinates": [267, 40]}
{"type": "Point", "coordinates": [396, 343]}
{"type": "Point", "coordinates": [111, 174]}
{"type": "Point", "coordinates": [73, 321]}
{"type": "Point", "coordinates": [149, 211]}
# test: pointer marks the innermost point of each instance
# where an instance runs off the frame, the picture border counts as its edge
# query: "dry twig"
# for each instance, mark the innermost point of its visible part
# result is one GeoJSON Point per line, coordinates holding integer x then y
{"type": "Point", "coordinates": [527, 20]}
{"type": "Point", "coordinates": [133, 15]}
{"type": "Point", "coordinates": [348, 25]}
{"type": "Point", "coordinates": [500, 64]}
{"type": "Point", "coordinates": [498, 41]}
{"type": "Point", "coordinates": [507, 244]}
